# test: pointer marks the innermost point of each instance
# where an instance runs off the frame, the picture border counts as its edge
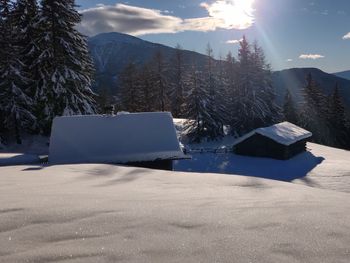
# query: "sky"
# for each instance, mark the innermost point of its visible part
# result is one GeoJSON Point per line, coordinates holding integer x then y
{"type": "Point", "coordinates": [293, 33]}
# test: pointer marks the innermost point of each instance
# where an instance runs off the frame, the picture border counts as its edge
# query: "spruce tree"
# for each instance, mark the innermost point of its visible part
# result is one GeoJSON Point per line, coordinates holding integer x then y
{"type": "Point", "coordinates": [231, 81]}
{"type": "Point", "coordinates": [15, 104]}
{"type": "Point", "coordinates": [214, 107]}
{"type": "Point", "coordinates": [63, 64]}
{"type": "Point", "coordinates": [25, 16]}
{"type": "Point", "coordinates": [199, 119]}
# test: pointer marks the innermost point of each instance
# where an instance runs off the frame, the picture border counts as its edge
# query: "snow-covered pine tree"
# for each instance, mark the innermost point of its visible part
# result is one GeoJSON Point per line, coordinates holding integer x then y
{"type": "Point", "coordinates": [196, 106]}
{"type": "Point", "coordinates": [24, 18]}
{"type": "Point", "coordinates": [231, 80]}
{"type": "Point", "coordinates": [15, 104]}
{"type": "Point", "coordinates": [254, 103]}
{"type": "Point", "coordinates": [177, 89]}
{"type": "Point", "coordinates": [129, 92]}
{"type": "Point", "coordinates": [289, 109]}
{"type": "Point", "coordinates": [243, 101]}
{"type": "Point", "coordinates": [64, 64]}
{"type": "Point", "coordinates": [215, 107]}
{"type": "Point", "coordinates": [223, 99]}
{"type": "Point", "coordinates": [265, 108]}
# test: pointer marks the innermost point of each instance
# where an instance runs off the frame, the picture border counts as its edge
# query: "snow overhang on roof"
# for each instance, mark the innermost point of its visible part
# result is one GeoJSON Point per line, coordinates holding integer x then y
{"type": "Point", "coordinates": [134, 137]}
{"type": "Point", "coordinates": [284, 133]}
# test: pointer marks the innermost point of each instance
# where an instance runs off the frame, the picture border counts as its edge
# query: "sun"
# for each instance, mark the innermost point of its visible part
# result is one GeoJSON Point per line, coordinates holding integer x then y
{"type": "Point", "coordinates": [233, 13]}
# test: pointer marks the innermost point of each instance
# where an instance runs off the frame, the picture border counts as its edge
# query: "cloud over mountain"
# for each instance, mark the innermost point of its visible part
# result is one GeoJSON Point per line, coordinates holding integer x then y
{"type": "Point", "coordinates": [135, 20]}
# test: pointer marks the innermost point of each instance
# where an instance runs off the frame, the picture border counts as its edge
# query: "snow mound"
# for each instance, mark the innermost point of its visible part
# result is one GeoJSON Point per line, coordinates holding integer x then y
{"type": "Point", "coordinates": [133, 137]}
{"type": "Point", "coordinates": [7, 159]}
{"type": "Point", "coordinates": [284, 133]}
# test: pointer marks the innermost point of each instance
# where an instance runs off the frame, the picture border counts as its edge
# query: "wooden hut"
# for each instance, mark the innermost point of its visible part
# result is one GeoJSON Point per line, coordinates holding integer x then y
{"type": "Point", "coordinates": [138, 139]}
{"type": "Point", "coordinates": [281, 141]}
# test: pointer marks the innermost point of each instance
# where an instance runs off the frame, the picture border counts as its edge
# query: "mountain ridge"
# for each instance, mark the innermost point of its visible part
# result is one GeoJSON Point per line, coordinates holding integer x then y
{"type": "Point", "coordinates": [111, 52]}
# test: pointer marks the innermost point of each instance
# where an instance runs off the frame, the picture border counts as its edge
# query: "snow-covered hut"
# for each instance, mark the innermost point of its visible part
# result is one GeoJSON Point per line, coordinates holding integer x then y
{"type": "Point", "coordinates": [139, 139]}
{"type": "Point", "coordinates": [280, 141]}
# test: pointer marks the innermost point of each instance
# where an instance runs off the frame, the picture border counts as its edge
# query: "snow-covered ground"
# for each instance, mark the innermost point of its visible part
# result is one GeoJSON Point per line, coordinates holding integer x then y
{"type": "Point", "coordinates": [320, 166]}
{"type": "Point", "coordinates": [109, 213]}
{"type": "Point", "coordinates": [105, 213]}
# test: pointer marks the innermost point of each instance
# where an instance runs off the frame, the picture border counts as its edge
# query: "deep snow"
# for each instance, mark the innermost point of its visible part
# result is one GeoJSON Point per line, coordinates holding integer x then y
{"type": "Point", "coordinates": [104, 213]}
{"type": "Point", "coordinates": [320, 166]}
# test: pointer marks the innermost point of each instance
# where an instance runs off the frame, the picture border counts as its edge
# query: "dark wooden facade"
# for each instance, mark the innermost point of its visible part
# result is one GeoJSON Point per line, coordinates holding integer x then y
{"type": "Point", "coordinates": [262, 146]}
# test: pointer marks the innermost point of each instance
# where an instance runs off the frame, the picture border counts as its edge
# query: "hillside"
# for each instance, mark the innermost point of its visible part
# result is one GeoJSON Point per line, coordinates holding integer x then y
{"type": "Point", "coordinates": [111, 52]}
{"type": "Point", "coordinates": [294, 80]}
{"type": "Point", "coordinates": [343, 74]}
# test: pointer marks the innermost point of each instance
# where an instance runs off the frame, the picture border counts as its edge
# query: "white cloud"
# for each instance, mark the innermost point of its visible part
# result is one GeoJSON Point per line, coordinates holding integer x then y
{"type": "Point", "coordinates": [133, 20]}
{"type": "Point", "coordinates": [311, 56]}
{"type": "Point", "coordinates": [127, 19]}
{"type": "Point", "coordinates": [347, 36]}
{"type": "Point", "coordinates": [234, 41]}
{"type": "Point", "coordinates": [289, 60]}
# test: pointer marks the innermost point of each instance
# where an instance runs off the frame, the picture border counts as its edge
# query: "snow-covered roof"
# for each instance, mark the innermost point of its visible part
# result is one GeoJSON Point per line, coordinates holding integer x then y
{"type": "Point", "coordinates": [133, 137]}
{"type": "Point", "coordinates": [285, 133]}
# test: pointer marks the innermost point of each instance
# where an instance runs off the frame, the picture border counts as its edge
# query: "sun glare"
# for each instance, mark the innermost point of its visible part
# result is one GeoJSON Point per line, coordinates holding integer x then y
{"type": "Point", "coordinates": [234, 13]}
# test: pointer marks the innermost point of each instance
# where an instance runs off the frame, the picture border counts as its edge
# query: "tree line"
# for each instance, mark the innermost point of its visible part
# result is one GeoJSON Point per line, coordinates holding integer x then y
{"type": "Point", "coordinates": [45, 69]}
{"type": "Point", "coordinates": [324, 115]}
{"type": "Point", "coordinates": [234, 92]}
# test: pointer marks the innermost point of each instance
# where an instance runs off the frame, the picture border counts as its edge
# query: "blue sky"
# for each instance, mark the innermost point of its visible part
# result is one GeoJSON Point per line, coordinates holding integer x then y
{"type": "Point", "coordinates": [293, 33]}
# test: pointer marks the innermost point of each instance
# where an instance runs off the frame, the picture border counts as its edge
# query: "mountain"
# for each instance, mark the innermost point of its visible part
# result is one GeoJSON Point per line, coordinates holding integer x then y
{"type": "Point", "coordinates": [294, 80]}
{"type": "Point", "coordinates": [343, 74]}
{"type": "Point", "coordinates": [111, 52]}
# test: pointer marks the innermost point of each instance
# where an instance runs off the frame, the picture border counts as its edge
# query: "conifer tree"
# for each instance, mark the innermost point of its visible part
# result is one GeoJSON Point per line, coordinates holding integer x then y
{"type": "Point", "coordinates": [63, 64]}
{"type": "Point", "coordinates": [197, 101]}
{"type": "Point", "coordinates": [214, 105]}
{"type": "Point", "coordinates": [24, 18]}
{"type": "Point", "coordinates": [15, 104]}
{"type": "Point", "coordinates": [254, 102]}
{"type": "Point", "coordinates": [231, 81]}
{"type": "Point", "coordinates": [314, 111]}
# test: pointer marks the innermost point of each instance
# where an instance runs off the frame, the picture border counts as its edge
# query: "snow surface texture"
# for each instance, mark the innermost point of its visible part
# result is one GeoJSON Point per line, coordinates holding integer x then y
{"type": "Point", "coordinates": [122, 138]}
{"type": "Point", "coordinates": [105, 213]}
{"type": "Point", "coordinates": [284, 133]}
